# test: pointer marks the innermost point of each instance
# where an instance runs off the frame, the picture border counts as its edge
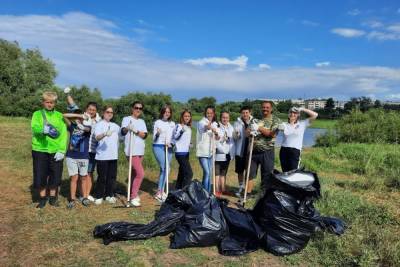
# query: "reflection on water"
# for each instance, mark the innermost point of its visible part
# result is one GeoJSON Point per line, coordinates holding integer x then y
{"type": "Point", "coordinates": [309, 136]}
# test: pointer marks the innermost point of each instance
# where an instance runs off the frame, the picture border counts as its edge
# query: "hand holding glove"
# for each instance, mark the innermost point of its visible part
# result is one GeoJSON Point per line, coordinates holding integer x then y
{"type": "Point", "coordinates": [85, 116]}
{"type": "Point", "coordinates": [281, 126]}
{"type": "Point", "coordinates": [59, 156]}
{"type": "Point", "coordinates": [108, 133]}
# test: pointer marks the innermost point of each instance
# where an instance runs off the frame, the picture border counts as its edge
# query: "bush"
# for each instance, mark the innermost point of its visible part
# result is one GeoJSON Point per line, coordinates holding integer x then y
{"type": "Point", "coordinates": [327, 139]}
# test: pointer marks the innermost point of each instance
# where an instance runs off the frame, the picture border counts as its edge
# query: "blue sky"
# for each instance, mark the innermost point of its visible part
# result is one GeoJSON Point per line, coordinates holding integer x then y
{"type": "Point", "coordinates": [227, 49]}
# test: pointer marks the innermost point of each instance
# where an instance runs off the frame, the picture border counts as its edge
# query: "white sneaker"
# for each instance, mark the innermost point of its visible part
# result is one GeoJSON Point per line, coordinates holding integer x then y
{"type": "Point", "coordinates": [98, 201]}
{"type": "Point", "coordinates": [159, 197]}
{"type": "Point", "coordinates": [111, 200]}
{"type": "Point", "coordinates": [164, 196]}
{"type": "Point", "coordinates": [135, 202]}
{"type": "Point", "coordinates": [240, 191]}
{"type": "Point", "coordinates": [92, 199]}
{"type": "Point", "coordinates": [80, 199]}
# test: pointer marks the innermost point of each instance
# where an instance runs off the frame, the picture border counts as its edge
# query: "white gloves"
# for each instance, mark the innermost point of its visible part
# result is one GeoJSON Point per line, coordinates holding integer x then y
{"type": "Point", "coordinates": [46, 129]}
{"type": "Point", "coordinates": [236, 134]}
{"type": "Point", "coordinates": [108, 133]}
{"type": "Point", "coordinates": [86, 116]}
{"type": "Point", "coordinates": [58, 156]}
{"type": "Point", "coordinates": [67, 90]}
{"type": "Point", "coordinates": [185, 128]}
{"type": "Point", "coordinates": [281, 126]}
{"type": "Point", "coordinates": [80, 126]}
{"type": "Point", "coordinates": [132, 128]}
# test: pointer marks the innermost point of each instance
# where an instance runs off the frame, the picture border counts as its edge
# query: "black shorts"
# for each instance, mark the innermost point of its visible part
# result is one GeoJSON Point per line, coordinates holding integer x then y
{"type": "Point", "coordinates": [240, 164]}
{"type": "Point", "coordinates": [46, 171]}
{"type": "Point", "coordinates": [266, 161]}
{"type": "Point", "coordinates": [221, 167]}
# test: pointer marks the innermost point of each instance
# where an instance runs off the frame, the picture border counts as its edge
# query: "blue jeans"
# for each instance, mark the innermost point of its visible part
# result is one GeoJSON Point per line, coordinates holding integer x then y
{"type": "Point", "coordinates": [159, 153]}
{"type": "Point", "coordinates": [206, 165]}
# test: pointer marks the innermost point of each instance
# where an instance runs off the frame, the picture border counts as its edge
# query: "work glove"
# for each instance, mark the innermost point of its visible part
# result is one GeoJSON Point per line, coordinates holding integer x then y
{"type": "Point", "coordinates": [254, 133]}
{"type": "Point", "coordinates": [80, 126]}
{"type": "Point", "coordinates": [132, 129]}
{"type": "Point", "coordinates": [46, 129]}
{"type": "Point", "coordinates": [301, 109]}
{"type": "Point", "coordinates": [108, 133]}
{"type": "Point", "coordinates": [281, 126]}
{"type": "Point", "coordinates": [185, 128]}
{"type": "Point", "coordinates": [67, 90]}
{"type": "Point", "coordinates": [295, 109]}
{"type": "Point", "coordinates": [85, 116]}
{"type": "Point", "coordinates": [59, 156]}
{"type": "Point", "coordinates": [254, 127]}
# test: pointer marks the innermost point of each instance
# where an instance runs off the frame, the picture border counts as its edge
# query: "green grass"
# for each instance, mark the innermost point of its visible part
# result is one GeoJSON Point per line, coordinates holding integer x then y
{"type": "Point", "coordinates": [359, 184]}
{"type": "Point", "coordinates": [323, 124]}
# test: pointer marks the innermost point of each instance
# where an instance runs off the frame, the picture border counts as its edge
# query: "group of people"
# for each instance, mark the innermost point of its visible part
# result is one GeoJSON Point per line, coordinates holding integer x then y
{"type": "Point", "coordinates": [89, 141]}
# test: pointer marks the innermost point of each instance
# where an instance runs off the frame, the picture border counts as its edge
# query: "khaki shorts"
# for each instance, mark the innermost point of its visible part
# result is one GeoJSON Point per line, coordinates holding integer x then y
{"type": "Point", "coordinates": [77, 166]}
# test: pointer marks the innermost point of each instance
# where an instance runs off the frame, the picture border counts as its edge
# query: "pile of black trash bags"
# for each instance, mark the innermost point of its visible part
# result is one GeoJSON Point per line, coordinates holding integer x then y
{"type": "Point", "coordinates": [282, 221]}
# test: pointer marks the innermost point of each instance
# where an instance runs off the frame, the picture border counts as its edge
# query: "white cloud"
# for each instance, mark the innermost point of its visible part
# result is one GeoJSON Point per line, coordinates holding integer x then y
{"type": "Point", "coordinates": [323, 64]}
{"type": "Point", "coordinates": [239, 62]}
{"type": "Point", "coordinates": [393, 96]}
{"type": "Point", "coordinates": [394, 28]}
{"type": "Point", "coordinates": [88, 50]}
{"type": "Point", "coordinates": [308, 49]}
{"type": "Point", "coordinates": [383, 36]}
{"type": "Point", "coordinates": [309, 23]}
{"type": "Point", "coordinates": [348, 32]}
{"type": "Point", "coordinates": [373, 24]}
{"type": "Point", "coordinates": [264, 66]}
{"type": "Point", "coordinates": [354, 12]}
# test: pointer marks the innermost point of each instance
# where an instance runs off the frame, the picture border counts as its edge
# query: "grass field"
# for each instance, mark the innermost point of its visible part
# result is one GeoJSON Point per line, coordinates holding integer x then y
{"type": "Point", "coordinates": [360, 184]}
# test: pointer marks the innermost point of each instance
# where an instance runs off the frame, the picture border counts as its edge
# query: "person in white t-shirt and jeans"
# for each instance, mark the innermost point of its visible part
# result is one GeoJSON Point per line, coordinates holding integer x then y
{"type": "Point", "coordinates": [107, 134]}
{"type": "Point", "coordinates": [134, 124]}
{"type": "Point", "coordinates": [293, 132]}
{"type": "Point", "coordinates": [162, 136]}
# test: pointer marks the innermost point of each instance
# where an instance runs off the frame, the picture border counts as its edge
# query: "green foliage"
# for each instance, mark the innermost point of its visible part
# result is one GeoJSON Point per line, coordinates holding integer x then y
{"type": "Point", "coordinates": [327, 139]}
{"type": "Point", "coordinates": [23, 76]}
{"type": "Point", "coordinates": [375, 125]}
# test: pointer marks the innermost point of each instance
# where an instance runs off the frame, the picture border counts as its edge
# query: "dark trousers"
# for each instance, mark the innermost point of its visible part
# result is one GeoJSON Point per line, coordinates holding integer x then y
{"type": "Point", "coordinates": [46, 171]}
{"type": "Point", "coordinates": [185, 173]}
{"type": "Point", "coordinates": [266, 161]}
{"type": "Point", "coordinates": [289, 158]}
{"type": "Point", "coordinates": [107, 175]}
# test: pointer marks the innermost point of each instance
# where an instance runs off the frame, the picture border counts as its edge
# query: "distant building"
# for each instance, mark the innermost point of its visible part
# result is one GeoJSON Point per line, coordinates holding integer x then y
{"type": "Point", "coordinates": [340, 104]}
{"type": "Point", "coordinates": [298, 102]}
{"type": "Point", "coordinates": [315, 103]}
{"type": "Point", "coordinates": [391, 103]}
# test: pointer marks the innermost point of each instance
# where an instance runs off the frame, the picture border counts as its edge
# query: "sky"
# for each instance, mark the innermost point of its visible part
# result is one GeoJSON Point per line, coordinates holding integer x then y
{"type": "Point", "coordinates": [227, 49]}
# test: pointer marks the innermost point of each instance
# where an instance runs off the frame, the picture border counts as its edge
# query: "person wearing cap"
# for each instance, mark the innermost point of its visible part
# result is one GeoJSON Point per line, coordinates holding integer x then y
{"type": "Point", "coordinates": [293, 132]}
{"type": "Point", "coordinates": [135, 125]}
{"type": "Point", "coordinates": [264, 132]}
{"type": "Point", "coordinates": [49, 144]}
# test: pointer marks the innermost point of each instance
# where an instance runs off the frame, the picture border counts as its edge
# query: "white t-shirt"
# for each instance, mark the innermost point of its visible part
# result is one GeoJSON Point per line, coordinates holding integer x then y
{"type": "Point", "coordinates": [167, 127]}
{"type": "Point", "coordinates": [293, 134]}
{"type": "Point", "coordinates": [138, 144]}
{"type": "Point", "coordinates": [107, 148]}
{"type": "Point", "coordinates": [182, 139]}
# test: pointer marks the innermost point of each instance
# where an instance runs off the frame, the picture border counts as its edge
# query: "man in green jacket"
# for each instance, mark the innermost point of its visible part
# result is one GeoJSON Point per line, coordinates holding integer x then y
{"type": "Point", "coordinates": [49, 143]}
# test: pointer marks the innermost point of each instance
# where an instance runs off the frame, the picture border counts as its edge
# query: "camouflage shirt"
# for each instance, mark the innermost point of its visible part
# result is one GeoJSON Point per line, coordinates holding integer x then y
{"type": "Point", "coordinates": [263, 143]}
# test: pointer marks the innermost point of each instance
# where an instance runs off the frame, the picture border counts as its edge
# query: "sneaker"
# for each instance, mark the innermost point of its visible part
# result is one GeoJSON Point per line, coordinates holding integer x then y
{"type": "Point", "coordinates": [111, 200]}
{"type": "Point", "coordinates": [42, 203]}
{"type": "Point", "coordinates": [135, 202]}
{"type": "Point", "coordinates": [98, 201]}
{"type": "Point", "coordinates": [218, 194]}
{"type": "Point", "coordinates": [80, 199]}
{"type": "Point", "coordinates": [71, 204]}
{"type": "Point", "coordinates": [92, 199]}
{"type": "Point", "coordinates": [239, 192]}
{"type": "Point", "coordinates": [85, 202]}
{"type": "Point", "coordinates": [54, 202]}
{"type": "Point", "coordinates": [159, 197]}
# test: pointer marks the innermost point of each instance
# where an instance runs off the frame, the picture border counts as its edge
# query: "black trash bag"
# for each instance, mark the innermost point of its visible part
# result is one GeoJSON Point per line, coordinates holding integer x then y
{"type": "Point", "coordinates": [286, 211]}
{"type": "Point", "coordinates": [332, 225]}
{"type": "Point", "coordinates": [165, 222]}
{"type": "Point", "coordinates": [203, 225]}
{"type": "Point", "coordinates": [244, 233]}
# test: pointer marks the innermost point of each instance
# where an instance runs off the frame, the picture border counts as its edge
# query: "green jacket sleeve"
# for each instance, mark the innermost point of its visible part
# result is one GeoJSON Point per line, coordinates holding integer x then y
{"type": "Point", "coordinates": [63, 138]}
{"type": "Point", "coordinates": [37, 123]}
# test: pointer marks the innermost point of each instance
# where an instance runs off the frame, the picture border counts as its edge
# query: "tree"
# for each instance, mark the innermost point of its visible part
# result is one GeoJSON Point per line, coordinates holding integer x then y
{"type": "Point", "coordinates": [330, 105]}
{"type": "Point", "coordinates": [377, 104]}
{"type": "Point", "coordinates": [284, 106]}
{"type": "Point", "coordinates": [24, 75]}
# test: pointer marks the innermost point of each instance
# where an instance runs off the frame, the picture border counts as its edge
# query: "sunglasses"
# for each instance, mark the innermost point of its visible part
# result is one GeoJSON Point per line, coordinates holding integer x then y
{"type": "Point", "coordinates": [138, 108]}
